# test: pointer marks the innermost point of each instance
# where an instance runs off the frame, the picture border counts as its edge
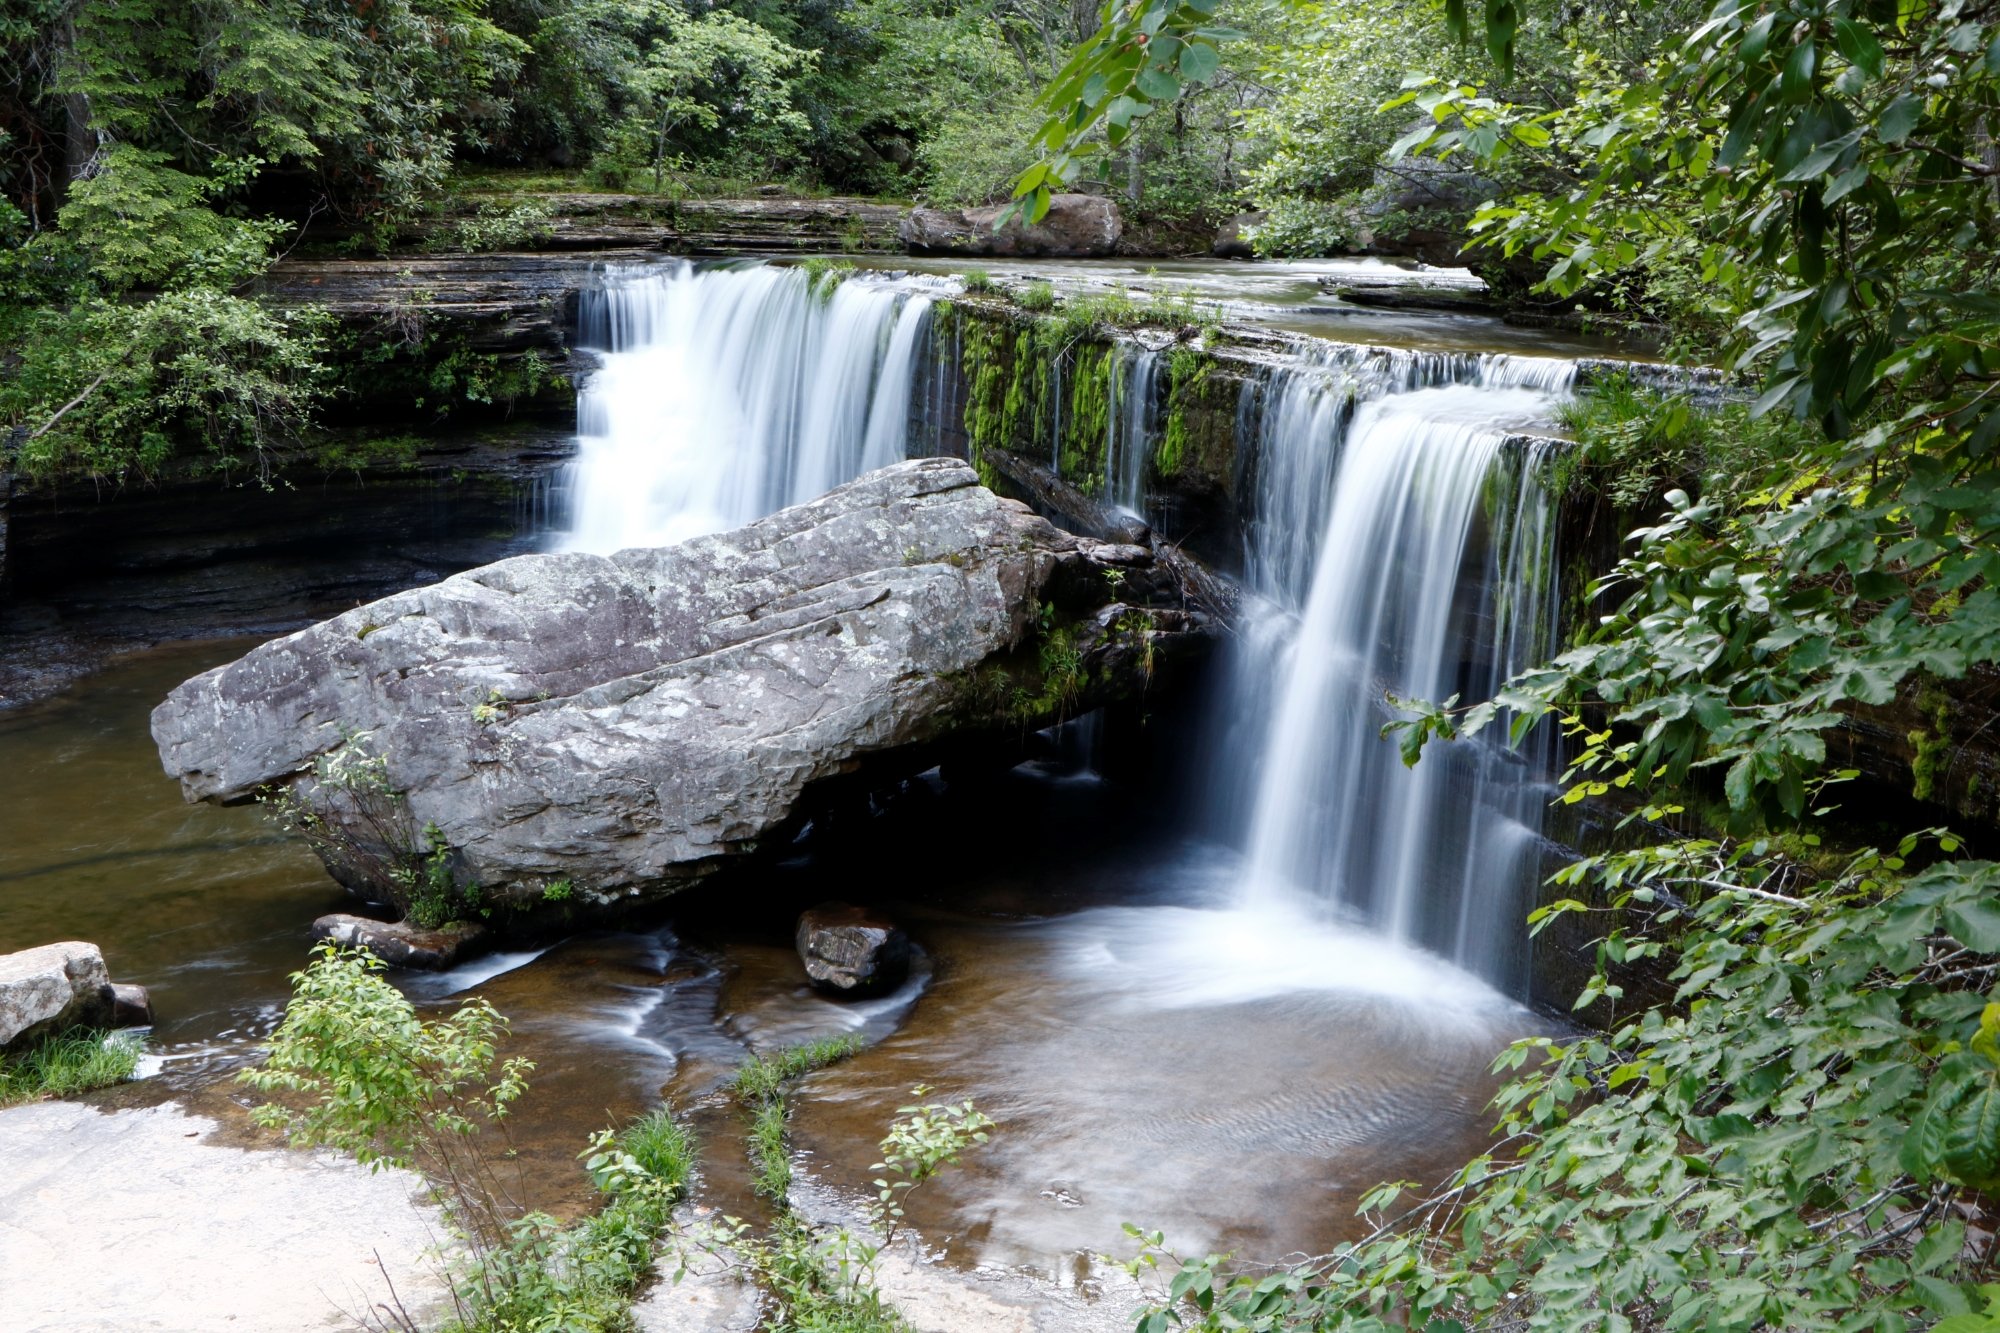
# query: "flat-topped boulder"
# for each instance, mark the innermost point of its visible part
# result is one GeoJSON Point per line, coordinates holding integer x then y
{"type": "Point", "coordinates": [583, 729]}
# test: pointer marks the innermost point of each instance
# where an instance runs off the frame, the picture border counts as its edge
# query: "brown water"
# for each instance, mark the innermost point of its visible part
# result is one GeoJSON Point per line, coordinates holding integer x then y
{"type": "Point", "coordinates": [1150, 1056]}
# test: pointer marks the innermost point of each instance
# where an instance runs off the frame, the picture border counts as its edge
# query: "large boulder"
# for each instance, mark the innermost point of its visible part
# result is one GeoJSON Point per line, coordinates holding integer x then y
{"type": "Point", "coordinates": [55, 987]}
{"type": "Point", "coordinates": [1077, 226]}
{"type": "Point", "coordinates": [586, 730]}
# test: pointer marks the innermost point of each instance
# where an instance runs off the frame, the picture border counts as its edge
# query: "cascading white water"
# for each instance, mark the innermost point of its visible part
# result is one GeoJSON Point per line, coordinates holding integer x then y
{"type": "Point", "coordinates": [1130, 425]}
{"type": "Point", "coordinates": [725, 394]}
{"type": "Point", "coordinates": [1401, 546]}
{"type": "Point", "coordinates": [1395, 542]}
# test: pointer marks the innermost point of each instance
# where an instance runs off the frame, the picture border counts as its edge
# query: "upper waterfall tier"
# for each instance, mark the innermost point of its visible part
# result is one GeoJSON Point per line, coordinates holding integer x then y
{"type": "Point", "coordinates": [726, 394]}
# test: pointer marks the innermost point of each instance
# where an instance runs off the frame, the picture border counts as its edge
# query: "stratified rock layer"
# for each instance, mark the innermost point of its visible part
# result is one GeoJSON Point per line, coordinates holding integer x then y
{"type": "Point", "coordinates": [612, 727]}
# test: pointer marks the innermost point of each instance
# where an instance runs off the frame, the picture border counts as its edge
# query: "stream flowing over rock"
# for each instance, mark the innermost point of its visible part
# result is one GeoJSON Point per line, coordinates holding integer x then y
{"type": "Point", "coordinates": [585, 729]}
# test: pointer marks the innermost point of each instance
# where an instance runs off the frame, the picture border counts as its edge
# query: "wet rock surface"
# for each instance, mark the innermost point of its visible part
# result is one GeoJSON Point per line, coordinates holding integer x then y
{"type": "Point", "coordinates": [404, 943]}
{"type": "Point", "coordinates": [849, 950]}
{"type": "Point", "coordinates": [131, 1006]}
{"type": "Point", "coordinates": [46, 990]}
{"type": "Point", "coordinates": [629, 723]}
{"type": "Point", "coordinates": [1077, 226]}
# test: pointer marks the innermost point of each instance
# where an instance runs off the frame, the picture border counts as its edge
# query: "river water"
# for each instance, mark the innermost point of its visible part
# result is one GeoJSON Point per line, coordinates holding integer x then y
{"type": "Point", "coordinates": [1222, 1000]}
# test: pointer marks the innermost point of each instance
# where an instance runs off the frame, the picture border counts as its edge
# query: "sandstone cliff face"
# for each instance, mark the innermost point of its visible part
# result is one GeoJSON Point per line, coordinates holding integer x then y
{"type": "Point", "coordinates": [594, 729]}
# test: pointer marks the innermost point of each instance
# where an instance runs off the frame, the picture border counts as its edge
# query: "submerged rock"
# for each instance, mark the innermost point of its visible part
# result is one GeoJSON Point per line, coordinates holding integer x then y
{"type": "Point", "coordinates": [585, 730]}
{"type": "Point", "coordinates": [403, 943]}
{"type": "Point", "coordinates": [848, 950]}
{"type": "Point", "coordinates": [47, 990]}
{"type": "Point", "coordinates": [131, 1006]}
{"type": "Point", "coordinates": [1077, 226]}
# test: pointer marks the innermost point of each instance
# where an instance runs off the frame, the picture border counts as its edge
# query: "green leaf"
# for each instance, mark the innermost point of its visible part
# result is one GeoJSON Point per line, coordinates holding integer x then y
{"type": "Point", "coordinates": [1975, 923]}
{"type": "Point", "coordinates": [1797, 77]}
{"type": "Point", "coordinates": [1859, 46]}
{"type": "Point", "coordinates": [1199, 61]}
{"type": "Point", "coordinates": [1158, 85]}
{"type": "Point", "coordinates": [1899, 118]}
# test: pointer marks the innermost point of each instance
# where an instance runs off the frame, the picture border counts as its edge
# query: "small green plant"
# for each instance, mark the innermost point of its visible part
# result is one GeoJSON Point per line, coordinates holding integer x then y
{"type": "Point", "coordinates": [978, 282]}
{"type": "Point", "coordinates": [764, 1077]}
{"type": "Point", "coordinates": [351, 813]}
{"type": "Point", "coordinates": [1036, 296]}
{"type": "Point", "coordinates": [824, 276]}
{"type": "Point", "coordinates": [581, 1277]}
{"type": "Point", "coordinates": [392, 1089]}
{"type": "Point", "coordinates": [558, 891]}
{"type": "Point", "coordinates": [662, 1145]}
{"type": "Point", "coordinates": [923, 1140]}
{"type": "Point", "coordinates": [64, 1065]}
{"type": "Point", "coordinates": [380, 1082]}
{"type": "Point", "coordinates": [823, 1280]}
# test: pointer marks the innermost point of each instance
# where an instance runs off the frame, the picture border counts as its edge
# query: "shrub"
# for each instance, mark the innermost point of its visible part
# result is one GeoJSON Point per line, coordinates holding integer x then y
{"type": "Point", "coordinates": [106, 388]}
{"type": "Point", "coordinates": [495, 226]}
{"type": "Point", "coordinates": [392, 1089]}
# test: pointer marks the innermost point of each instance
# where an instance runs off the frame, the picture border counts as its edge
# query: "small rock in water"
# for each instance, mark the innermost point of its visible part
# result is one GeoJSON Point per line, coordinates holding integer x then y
{"type": "Point", "coordinates": [403, 943]}
{"type": "Point", "coordinates": [57, 986]}
{"type": "Point", "coordinates": [850, 951]}
{"type": "Point", "coordinates": [131, 1006]}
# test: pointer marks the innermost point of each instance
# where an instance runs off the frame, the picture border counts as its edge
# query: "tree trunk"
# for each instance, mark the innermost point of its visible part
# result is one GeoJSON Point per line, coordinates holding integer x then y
{"type": "Point", "coordinates": [79, 139]}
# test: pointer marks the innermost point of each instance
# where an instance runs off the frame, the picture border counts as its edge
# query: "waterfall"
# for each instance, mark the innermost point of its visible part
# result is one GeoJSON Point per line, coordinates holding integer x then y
{"type": "Point", "coordinates": [1130, 425]}
{"type": "Point", "coordinates": [1397, 541]}
{"type": "Point", "coordinates": [1401, 545]}
{"type": "Point", "coordinates": [726, 393]}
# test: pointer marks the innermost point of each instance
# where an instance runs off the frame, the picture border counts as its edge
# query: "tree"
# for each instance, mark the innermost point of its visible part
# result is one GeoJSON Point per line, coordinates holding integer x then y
{"type": "Point", "coordinates": [707, 71]}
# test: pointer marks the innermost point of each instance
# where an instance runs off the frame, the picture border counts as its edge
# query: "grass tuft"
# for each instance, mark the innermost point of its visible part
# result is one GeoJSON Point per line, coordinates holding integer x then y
{"type": "Point", "coordinates": [760, 1086]}
{"type": "Point", "coordinates": [1036, 296]}
{"type": "Point", "coordinates": [62, 1066]}
{"type": "Point", "coordinates": [763, 1077]}
{"type": "Point", "coordinates": [662, 1145]}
